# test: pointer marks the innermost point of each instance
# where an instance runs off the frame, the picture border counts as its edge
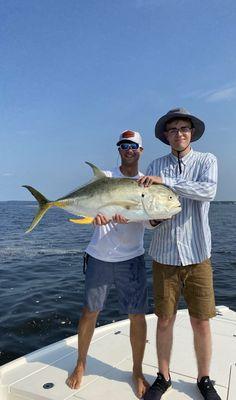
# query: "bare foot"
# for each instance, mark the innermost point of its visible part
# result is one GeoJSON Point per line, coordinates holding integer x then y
{"type": "Point", "coordinates": [141, 385]}
{"type": "Point", "coordinates": [75, 379]}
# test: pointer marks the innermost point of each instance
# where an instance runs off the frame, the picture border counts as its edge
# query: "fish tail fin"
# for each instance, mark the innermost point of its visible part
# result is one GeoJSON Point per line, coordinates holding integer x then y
{"type": "Point", "coordinates": [44, 205]}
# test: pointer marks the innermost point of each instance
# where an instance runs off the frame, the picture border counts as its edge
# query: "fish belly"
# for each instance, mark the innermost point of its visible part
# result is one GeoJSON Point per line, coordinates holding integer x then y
{"type": "Point", "coordinates": [109, 207]}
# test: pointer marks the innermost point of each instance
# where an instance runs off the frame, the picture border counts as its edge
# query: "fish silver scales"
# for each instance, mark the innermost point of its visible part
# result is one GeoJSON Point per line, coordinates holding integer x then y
{"type": "Point", "coordinates": [111, 196]}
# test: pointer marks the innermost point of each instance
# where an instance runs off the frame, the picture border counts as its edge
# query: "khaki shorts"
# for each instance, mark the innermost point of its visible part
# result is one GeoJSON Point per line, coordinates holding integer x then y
{"type": "Point", "coordinates": [193, 281]}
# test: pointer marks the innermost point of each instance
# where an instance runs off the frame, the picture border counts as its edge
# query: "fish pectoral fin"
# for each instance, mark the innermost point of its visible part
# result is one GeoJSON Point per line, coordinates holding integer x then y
{"type": "Point", "coordinates": [98, 173]}
{"type": "Point", "coordinates": [126, 204]}
{"type": "Point", "coordinates": [82, 220]}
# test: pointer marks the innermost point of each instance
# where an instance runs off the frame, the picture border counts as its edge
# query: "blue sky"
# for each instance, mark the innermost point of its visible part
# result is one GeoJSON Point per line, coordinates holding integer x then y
{"type": "Point", "coordinates": [75, 73]}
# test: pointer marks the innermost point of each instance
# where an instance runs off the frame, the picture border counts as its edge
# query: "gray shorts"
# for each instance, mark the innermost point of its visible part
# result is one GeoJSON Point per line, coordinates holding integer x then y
{"type": "Point", "coordinates": [129, 278]}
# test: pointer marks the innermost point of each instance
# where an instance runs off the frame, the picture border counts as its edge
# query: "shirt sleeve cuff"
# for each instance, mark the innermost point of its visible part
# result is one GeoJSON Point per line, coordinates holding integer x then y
{"type": "Point", "coordinates": [169, 181]}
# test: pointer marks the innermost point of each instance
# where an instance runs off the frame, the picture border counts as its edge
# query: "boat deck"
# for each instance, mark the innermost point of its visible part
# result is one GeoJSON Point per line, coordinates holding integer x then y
{"type": "Point", "coordinates": [109, 364]}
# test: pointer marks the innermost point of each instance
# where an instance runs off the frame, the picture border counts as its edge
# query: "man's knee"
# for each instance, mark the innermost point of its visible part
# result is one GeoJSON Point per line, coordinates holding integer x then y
{"type": "Point", "coordinates": [165, 323]}
{"type": "Point", "coordinates": [202, 326]}
{"type": "Point", "coordinates": [137, 318]}
{"type": "Point", "coordinates": [89, 315]}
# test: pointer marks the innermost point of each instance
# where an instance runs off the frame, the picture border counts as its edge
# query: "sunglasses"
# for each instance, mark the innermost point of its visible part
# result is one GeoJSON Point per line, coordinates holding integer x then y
{"type": "Point", "coordinates": [182, 129]}
{"type": "Point", "coordinates": [127, 146]}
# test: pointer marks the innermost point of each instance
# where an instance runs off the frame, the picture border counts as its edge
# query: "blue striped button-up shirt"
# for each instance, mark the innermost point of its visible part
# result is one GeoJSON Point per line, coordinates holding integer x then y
{"type": "Point", "coordinates": [186, 238]}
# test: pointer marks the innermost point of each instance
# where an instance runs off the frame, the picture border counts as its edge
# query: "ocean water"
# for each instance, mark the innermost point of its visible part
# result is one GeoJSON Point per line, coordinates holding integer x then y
{"type": "Point", "coordinates": [41, 275]}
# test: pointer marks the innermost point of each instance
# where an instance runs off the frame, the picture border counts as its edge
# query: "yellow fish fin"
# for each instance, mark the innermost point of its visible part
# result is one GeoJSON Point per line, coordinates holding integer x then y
{"type": "Point", "coordinates": [44, 205]}
{"type": "Point", "coordinates": [84, 220]}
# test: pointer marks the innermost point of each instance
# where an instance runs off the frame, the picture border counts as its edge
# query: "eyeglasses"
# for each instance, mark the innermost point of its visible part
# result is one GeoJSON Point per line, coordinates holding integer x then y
{"type": "Point", "coordinates": [182, 129]}
{"type": "Point", "coordinates": [127, 146]}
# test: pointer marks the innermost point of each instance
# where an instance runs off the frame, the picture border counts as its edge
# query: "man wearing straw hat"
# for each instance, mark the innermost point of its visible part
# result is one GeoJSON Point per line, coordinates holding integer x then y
{"type": "Point", "coordinates": [181, 246]}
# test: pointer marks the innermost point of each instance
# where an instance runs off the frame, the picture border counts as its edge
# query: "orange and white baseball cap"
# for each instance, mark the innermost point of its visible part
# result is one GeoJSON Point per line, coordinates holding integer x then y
{"type": "Point", "coordinates": [130, 136]}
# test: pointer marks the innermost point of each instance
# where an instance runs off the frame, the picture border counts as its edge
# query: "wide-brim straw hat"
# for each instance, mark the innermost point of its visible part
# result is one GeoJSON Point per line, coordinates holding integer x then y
{"type": "Point", "coordinates": [160, 127]}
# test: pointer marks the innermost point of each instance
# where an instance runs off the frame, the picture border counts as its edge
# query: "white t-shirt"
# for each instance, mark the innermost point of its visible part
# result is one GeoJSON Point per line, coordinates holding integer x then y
{"type": "Point", "coordinates": [117, 242]}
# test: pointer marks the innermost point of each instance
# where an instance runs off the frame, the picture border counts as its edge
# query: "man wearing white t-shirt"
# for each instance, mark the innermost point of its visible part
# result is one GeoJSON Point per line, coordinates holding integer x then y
{"type": "Point", "coordinates": [115, 257]}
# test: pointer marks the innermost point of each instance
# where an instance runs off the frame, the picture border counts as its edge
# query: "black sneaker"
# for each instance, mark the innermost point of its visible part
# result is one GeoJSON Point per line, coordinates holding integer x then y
{"type": "Point", "coordinates": [207, 389]}
{"type": "Point", "coordinates": [158, 388]}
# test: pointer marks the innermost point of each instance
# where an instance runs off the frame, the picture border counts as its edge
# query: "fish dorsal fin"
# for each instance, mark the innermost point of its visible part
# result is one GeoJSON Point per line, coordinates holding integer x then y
{"type": "Point", "coordinates": [98, 173]}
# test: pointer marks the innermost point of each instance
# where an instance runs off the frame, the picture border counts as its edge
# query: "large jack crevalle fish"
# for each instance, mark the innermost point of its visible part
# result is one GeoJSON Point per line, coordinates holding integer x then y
{"type": "Point", "coordinates": [110, 196]}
